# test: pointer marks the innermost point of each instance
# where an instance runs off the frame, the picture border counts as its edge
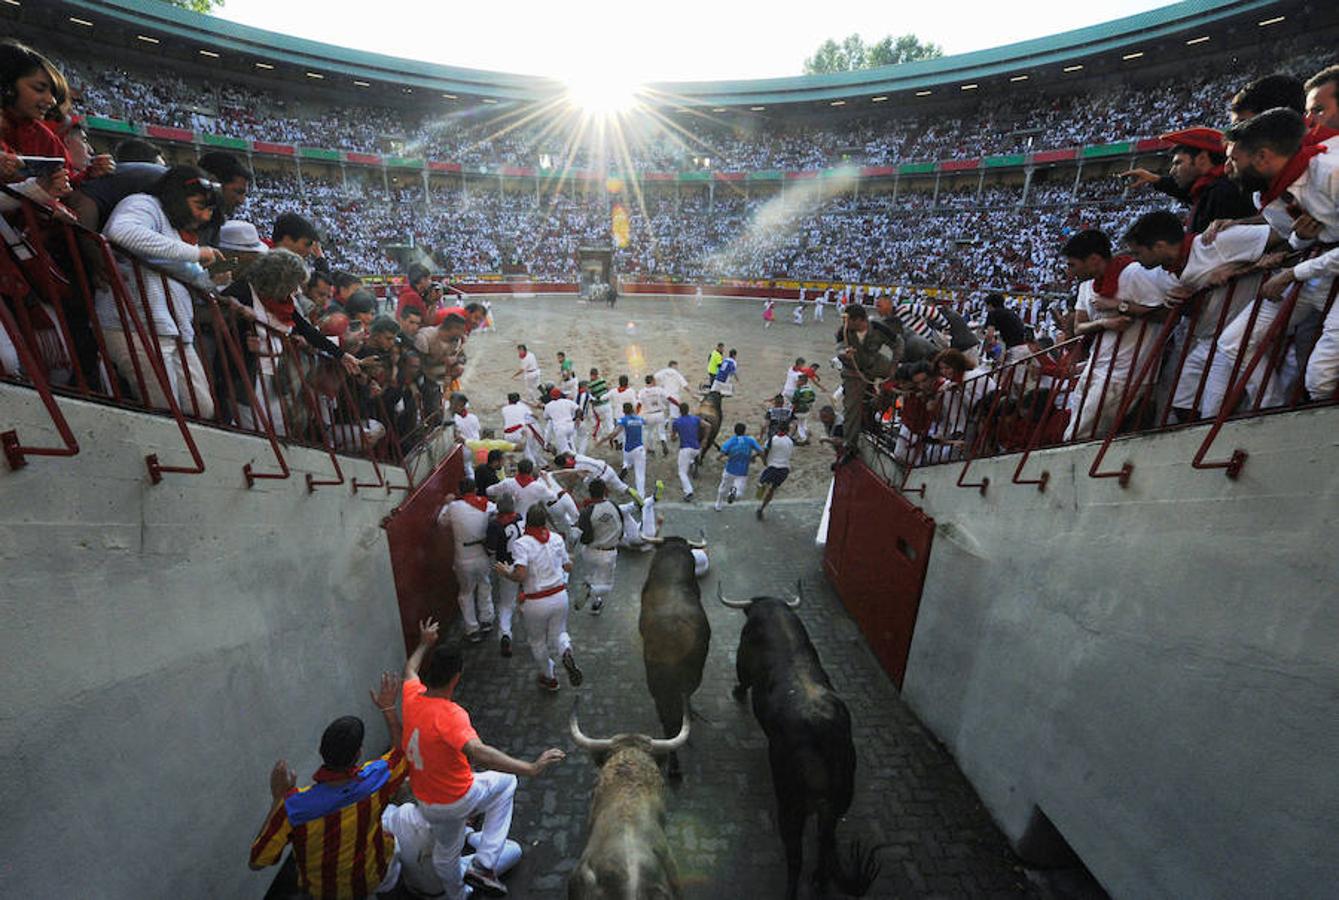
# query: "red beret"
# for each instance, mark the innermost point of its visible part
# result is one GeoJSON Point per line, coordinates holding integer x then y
{"type": "Point", "coordinates": [1199, 138]}
{"type": "Point", "coordinates": [554, 393]}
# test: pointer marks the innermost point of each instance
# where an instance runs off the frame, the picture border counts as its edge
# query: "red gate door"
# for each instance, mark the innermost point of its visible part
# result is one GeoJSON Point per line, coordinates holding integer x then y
{"type": "Point", "coordinates": [878, 549]}
{"type": "Point", "coordinates": [422, 554]}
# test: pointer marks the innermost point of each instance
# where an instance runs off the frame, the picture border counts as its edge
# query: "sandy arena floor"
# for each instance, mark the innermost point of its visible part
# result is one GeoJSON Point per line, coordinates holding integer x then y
{"type": "Point", "coordinates": [638, 337]}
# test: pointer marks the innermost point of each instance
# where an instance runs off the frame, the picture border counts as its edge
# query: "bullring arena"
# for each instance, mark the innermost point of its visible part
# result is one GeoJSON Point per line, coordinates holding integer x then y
{"type": "Point", "coordinates": [324, 575]}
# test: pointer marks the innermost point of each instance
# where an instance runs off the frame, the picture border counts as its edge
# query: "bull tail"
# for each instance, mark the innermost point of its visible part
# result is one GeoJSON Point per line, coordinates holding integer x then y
{"type": "Point", "coordinates": [857, 872]}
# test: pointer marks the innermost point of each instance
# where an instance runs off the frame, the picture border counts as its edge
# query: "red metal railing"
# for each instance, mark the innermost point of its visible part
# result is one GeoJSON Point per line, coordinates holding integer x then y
{"type": "Point", "coordinates": [78, 317]}
{"type": "Point", "coordinates": [1229, 350]}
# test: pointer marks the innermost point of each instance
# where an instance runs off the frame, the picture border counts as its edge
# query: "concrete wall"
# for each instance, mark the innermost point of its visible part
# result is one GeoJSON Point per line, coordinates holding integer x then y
{"type": "Point", "coordinates": [163, 645]}
{"type": "Point", "coordinates": [1155, 667]}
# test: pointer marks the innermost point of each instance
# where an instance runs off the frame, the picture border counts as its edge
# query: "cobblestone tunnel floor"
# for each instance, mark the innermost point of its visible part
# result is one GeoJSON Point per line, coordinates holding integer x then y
{"type": "Point", "coordinates": [909, 794]}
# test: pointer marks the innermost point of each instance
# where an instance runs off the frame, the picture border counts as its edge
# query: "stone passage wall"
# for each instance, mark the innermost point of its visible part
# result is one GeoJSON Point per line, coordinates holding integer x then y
{"type": "Point", "coordinates": [163, 645]}
{"type": "Point", "coordinates": [1152, 667]}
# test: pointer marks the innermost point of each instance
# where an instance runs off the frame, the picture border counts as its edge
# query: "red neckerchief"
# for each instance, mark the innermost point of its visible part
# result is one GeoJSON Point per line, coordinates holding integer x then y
{"type": "Point", "coordinates": [325, 773]}
{"type": "Point", "coordinates": [523, 479]}
{"type": "Point", "coordinates": [1183, 257]}
{"type": "Point", "coordinates": [188, 236]}
{"type": "Point", "coordinates": [1109, 283]}
{"type": "Point", "coordinates": [1206, 181]}
{"type": "Point", "coordinates": [1318, 135]}
{"type": "Point", "coordinates": [479, 503]}
{"type": "Point", "coordinates": [282, 311]}
{"type": "Point", "coordinates": [1292, 170]}
{"type": "Point", "coordinates": [539, 534]}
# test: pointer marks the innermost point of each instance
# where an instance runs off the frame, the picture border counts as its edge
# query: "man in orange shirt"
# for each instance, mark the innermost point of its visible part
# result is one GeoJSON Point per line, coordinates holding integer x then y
{"type": "Point", "coordinates": [442, 748]}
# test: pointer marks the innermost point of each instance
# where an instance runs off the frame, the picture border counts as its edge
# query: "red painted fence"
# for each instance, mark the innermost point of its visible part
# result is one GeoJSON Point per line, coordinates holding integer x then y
{"type": "Point", "coordinates": [878, 549]}
{"type": "Point", "coordinates": [422, 554]}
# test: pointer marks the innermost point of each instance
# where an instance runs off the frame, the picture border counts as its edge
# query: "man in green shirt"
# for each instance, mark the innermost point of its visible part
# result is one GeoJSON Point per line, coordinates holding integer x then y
{"type": "Point", "coordinates": [714, 364]}
{"type": "Point", "coordinates": [802, 400]}
{"type": "Point", "coordinates": [602, 417]}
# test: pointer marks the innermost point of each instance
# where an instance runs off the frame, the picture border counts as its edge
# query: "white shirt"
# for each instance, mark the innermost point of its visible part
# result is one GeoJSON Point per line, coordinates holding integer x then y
{"type": "Point", "coordinates": [652, 400]}
{"type": "Point", "coordinates": [620, 396]}
{"type": "Point", "coordinates": [467, 426]}
{"type": "Point", "coordinates": [606, 521]}
{"type": "Point", "coordinates": [514, 417]}
{"type": "Point", "coordinates": [530, 364]}
{"type": "Point", "coordinates": [561, 412]}
{"type": "Point", "coordinates": [543, 562]}
{"type": "Point", "coordinates": [672, 380]}
{"type": "Point", "coordinates": [594, 468]}
{"type": "Point", "coordinates": [526, 495]}
{"type": "Point", "coordinates": [778, 456]}
{"type": "Point", "coordinates": [468, 525]}
{"type": "Point", "coordinates": [1317, 192]}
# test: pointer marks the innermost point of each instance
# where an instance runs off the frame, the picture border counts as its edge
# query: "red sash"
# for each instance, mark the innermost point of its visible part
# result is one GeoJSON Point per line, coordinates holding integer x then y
{"type": "Point", "coordinates": [1292, 170]}
{"type": "Point", "coordinates": [545, 592]}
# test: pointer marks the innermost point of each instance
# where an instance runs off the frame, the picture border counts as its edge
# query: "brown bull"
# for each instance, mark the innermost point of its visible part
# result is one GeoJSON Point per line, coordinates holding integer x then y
{"type": "Point", "coordinates": [709, 411]}
{"type": "Point", "coordinates": [627, 854]}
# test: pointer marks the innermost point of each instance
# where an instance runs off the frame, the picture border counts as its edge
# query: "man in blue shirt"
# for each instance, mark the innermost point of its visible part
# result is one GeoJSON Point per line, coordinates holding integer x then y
{"type": "Point", "coordinates": [634, 451]}
{"type": "Point", "coordinates": [738, 452]}
{"type": "Point", "coordinates": [688, 432]}
{"type": "Point", "coordinates": [729, 369]}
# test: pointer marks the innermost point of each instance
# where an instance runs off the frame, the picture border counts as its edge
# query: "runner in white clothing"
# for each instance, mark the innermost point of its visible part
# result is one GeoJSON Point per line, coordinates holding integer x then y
{"type": "Point", "coordinates": [820, 304]}
{"type": "Point", "coordinates": [653, 406]}
{"type": "Point", "coordinates": [541, 566]}
{"type": "Point", "coordinates": [525, 489]}
{"type": "Point", "coordinates": [467, 517]}
{"type": "Point", "coordinates": [675, 384]}
{"type": "Point", "coordinates": [601, 529]}
{"type": "Point", "coordinates": [588, 469]}
{"type": "Point", "coordinates": [518, 424]}
{"type": "Point", "coordinates": [562, 415]}
{"type": "Point", "coordinates": [617, 397]}
{"type": "Point", "coordinates": [467, 428]}
{"type": "Point", "coordinates": [529, 369]}
{"type": "Point", "coordinates": [777, 460]}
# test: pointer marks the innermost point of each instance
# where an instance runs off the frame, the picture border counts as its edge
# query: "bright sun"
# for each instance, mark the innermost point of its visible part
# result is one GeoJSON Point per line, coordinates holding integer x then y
{"type": "Point", "coordinates": [601, 94]}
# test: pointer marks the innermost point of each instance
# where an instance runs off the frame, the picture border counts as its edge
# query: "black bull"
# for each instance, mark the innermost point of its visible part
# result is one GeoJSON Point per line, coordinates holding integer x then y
{"type": "Point", "coordinates": [675, 634]}
{"type": "Point", "coordinates": [709, 411]}
{"type": "Point", "coordinates": [809, 741]}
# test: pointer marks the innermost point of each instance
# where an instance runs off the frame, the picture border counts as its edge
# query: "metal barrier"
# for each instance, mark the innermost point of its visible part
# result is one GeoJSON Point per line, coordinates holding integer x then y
{"type": "Point", "coordinates": [78, 320]}
{"type": "Point", "coordinates": [1228, 350]}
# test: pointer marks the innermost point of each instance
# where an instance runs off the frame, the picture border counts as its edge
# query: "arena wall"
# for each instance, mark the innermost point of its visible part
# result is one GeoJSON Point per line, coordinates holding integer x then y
{"type": "Point", "coordinates": [164, 644]}
{"type": "Point", "coordinates": [1153, 668]}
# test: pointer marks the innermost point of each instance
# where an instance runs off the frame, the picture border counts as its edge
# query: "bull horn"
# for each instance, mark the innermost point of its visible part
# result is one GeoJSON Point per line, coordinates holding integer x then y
{"type": "Point", "coordinates": [653, 540]}
{"type": "Point", "coordinates": [590, 745]}
{"type": "Point", "coordinates": [697, 545]}
{"type": "Point", "coordinates": [794, 602]}
{"type": "Point", "coordinates": [660, 747]}
{"type": "Point", "coordinates": [731, 604]}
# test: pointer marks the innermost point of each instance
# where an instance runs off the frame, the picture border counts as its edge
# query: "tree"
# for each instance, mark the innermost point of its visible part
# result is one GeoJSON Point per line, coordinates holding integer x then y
{"type": "Point", "coordinates": [200, 6]}
{"type": "Point", "coordinates": [853, 53]}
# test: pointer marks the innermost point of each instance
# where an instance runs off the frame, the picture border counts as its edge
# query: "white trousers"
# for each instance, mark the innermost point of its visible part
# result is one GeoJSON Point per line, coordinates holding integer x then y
{"type": "Point", "coordinates": [185, 373]}
{"type": "Point", "coordinates": [472, 575]}
{"type": "Point", "coordinates": [491, 794]}
{"type": "Point", "coordinates": [1192, 371]}
{"type": "Point", "coordinates": [506, 604]}
{"type": "Point", "coordinates": [1322, 369]}
{"type": "Point", "coordinates": [546, 630]}
{"type": "Point", "coordinates": [657, 427]}
{"type": "Point", "coordinates": [635, 459]}
{"type": "Point", "coordinates": [802, 426]}
{"type": "Point", "coordinates": [531, 385]}
{"type": "Point", "coordinates": [564, 436]}
{"type": "Point", "coordinates": [737, 483]}
{"type": "Point", "coordinates": [602, 420]}
{"type": "Point", "coordinates": [600, 566]}
{"type": "Point", "coordinates": [686, 457]}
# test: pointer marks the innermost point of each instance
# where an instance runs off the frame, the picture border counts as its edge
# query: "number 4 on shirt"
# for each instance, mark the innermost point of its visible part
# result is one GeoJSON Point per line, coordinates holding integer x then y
{"type": "Point", "coordinates": [411, 751]}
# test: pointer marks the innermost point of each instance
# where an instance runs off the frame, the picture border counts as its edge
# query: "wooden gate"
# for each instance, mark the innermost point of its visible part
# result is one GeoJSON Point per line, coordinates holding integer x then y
{"type": "Point", "coordinates": [878, 549]}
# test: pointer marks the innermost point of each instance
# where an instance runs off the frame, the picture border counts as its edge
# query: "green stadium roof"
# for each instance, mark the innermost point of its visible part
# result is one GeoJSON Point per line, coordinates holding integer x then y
{"type": "Point", "coordinates": [1119, 35]}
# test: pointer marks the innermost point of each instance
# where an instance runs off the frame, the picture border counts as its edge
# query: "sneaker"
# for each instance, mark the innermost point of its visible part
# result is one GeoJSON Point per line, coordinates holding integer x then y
{"type": "Point", "coordinates": [688, 498]}
{"type": "Point", "coordinates": [597, 606]}
{"type": "Point", "coordinates": [548, 684]}
{"type": "Point", "coordinates": [660, 489]}
{"type": "Point", "coordinates": [731, 497]}
{"type": "Point", "coordinates": [506, 645]}
{"type": "Point", "coordinates": [573, 673]}
{"type": "Point", "coordinates": [623, 473]}
{"type": "Point", "coordinates": [475, 637]}
{"type": "Point", "coordinates": [718, 507]}
{"type": "Point", "coordinates": [759, 514]}
{"type": "Point", "coordinates": [485, 880]}
{"type": "Point", "coordinates": [486, 627]}
{"type": "Point", "coordinates": [664, 449]}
